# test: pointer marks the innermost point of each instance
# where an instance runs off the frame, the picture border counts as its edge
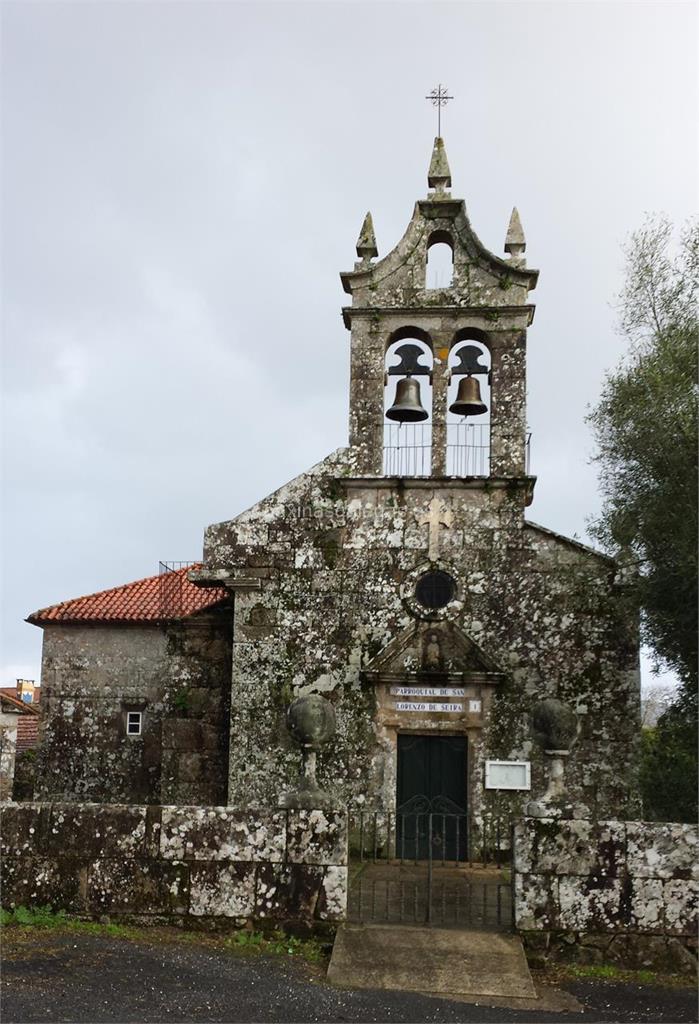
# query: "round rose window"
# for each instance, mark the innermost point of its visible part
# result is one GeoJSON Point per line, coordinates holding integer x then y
{"type": "Point", "coordinates": [435, 589]}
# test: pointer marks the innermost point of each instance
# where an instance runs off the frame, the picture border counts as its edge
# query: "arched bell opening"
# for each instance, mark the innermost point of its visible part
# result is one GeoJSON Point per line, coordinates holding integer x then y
{"type": "Point", "coordinates": [407, 405]}
{"type": "Point", "coordinates": [468, 409]}
{"type": "Point", "coordinates": [439, 268]}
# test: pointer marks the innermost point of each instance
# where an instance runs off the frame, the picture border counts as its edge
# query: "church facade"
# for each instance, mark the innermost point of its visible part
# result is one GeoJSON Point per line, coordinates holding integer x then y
{"type": "Point", "coordinates": [399, 578]}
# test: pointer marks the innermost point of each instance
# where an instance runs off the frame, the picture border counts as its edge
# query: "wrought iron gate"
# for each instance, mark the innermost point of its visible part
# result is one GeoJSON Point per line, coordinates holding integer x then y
{"type": "Point", "coordinates": [431, 864]}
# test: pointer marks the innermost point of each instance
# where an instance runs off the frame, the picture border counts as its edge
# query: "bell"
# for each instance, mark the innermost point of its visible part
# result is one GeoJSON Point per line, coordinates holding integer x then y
{"type": "Point", "coordinates": [468, 398]}
{"type": "Point", "coordinates": [407, 407]}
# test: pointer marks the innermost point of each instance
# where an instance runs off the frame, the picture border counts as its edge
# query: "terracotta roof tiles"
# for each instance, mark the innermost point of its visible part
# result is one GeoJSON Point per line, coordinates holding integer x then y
{"type": "Point", "coordinates": [160, 598]}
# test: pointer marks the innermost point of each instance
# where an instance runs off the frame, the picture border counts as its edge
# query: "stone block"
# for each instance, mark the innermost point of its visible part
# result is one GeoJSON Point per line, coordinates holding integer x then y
{"type": "Point", "coordinates": [657, 952]}
{"type": "Point", "coordinates": [662, 850]}
{"type": "Point", "coordinates": [137, 886]}
{"type": "Point", "coordinates": [189, 767]}
{"type": "Point", "coordinates": [647, 904]}
{"type": "Point", "coordinates": [574, 847]}
{"type": "Point", "coordinates": [218, 833]}
{"type": "Point", "coordinates": [222, 890]}
{"type": "Point", "coordinates": [92, 831]}
{"type": "Point", "coordinates": [30, 881]}
{"type": "Point", "coordinates": [317, 837]}
{"type": "Point", "coordinates": [332, 905]}
{"type": "Point", "coordinates": [290, 891]}
{"type": "Point", "coordinates": [681, 897]}
{"type": "Point", "coordinates": [210, 737]}
{"type": "Point", "coordinates": [23, 829]}
{"type": "Point", "coordinates": [536, 902]}
{"type": "Point", "coordinates": [182, 734]}
{"type": "Point", "coordinates": [586, 906]}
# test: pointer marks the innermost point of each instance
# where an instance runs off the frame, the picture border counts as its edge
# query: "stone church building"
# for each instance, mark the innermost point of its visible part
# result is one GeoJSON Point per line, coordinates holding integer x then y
{"type": "Point", "coordinates": [399, 578]}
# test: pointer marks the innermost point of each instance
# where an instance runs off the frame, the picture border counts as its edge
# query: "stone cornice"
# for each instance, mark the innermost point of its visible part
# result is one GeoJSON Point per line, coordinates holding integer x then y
{"type": "Point", "coordinates": [465, 678]}
{"type": "Point", "coordinates": [432, 483]}
{"type": "Point", "coordinates": [223, 578]}
{"type": "Point", "coordinates": [486, 312]}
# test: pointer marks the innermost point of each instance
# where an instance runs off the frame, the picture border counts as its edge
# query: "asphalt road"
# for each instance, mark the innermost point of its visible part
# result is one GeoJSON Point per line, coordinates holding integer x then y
{"type": "Point", "coordinates": [73, 977]}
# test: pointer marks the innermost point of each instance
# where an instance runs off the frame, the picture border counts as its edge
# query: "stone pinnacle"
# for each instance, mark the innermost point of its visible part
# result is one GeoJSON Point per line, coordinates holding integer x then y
{"type": "Point", "coordinates": [515, 242]}
{"type": "Point", "coordinates": [366, 243]}
{"type": "Point", "coordinates": [439, 175]}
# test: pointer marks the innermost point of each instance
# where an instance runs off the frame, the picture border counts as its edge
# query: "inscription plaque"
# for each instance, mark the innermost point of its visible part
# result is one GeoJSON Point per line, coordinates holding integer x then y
{"type": "Point", "coordinates": [428, 691]}
{"type": "Point", "coordinates": [452, 709]}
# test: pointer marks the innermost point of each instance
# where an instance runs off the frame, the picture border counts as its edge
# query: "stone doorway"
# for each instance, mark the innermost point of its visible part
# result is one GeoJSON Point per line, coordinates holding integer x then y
{"type": "Point", "coordinates": [431, 801]}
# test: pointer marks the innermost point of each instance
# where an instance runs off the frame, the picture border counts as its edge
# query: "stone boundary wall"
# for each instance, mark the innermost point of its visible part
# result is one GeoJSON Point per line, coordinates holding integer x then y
{"type": "Point", "coordinates": [175, 863]}
{"type": "Point", "coordinates": [601, 886]}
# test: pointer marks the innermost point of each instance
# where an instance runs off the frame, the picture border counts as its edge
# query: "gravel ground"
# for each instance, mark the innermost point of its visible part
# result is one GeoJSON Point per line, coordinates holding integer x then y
{"type": "Point", "coordinates": [73, 977]}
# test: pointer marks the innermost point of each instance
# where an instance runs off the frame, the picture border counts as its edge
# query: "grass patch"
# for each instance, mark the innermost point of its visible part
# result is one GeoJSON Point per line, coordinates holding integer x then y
{"type": "Point", "coordinates": [47, 918]}
{"type": "Point", "coordinates": [560, 973]}
{"type": "Point", "coordinates": [242, 941]}
{"type": "Point", "coordinates": [278, 944]}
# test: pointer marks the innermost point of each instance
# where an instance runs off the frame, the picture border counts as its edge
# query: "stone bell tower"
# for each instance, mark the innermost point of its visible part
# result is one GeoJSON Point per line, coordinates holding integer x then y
{"type": "Point", "coordinates": [486, 302]}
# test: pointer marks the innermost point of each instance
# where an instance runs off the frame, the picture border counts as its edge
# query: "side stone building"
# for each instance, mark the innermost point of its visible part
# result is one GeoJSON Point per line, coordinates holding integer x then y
{"type": "Point", "coordinates": [399, 578]}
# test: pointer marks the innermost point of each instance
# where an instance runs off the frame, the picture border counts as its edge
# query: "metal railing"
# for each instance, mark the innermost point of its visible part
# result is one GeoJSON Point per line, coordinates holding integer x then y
{"type": "Point", "coordinates": [171, 583]}
{"type": "Point", "coordinates": [463, 902]}
{"type": "Point", "coordinates": [431, 866]}
{"type": "Point", "coordinates": [407, 449]}
{"type": "Point", "coordinates": [447, 838]}
{"type": "Point", "coordinates": [468, 449]}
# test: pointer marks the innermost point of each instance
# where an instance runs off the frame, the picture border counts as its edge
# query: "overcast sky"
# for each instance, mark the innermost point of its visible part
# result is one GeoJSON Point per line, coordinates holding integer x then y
{"type": "Point", "coordinates": [183, 182]}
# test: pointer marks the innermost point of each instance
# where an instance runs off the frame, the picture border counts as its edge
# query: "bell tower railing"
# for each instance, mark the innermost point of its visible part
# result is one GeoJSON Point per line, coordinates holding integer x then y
{"type": "Point", "coordinates": [407, 449]}
{"type": "Point", "coordinates": [468, 449]}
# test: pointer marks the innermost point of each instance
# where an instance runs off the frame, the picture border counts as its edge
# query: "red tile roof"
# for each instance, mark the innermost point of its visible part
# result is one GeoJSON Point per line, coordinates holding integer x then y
{"type": "Point", "coordinates": [9, 697]}
{"type": "Point", "coordinates": [28, 720]}
{"type": "Point", "coordinates": [154, 599]}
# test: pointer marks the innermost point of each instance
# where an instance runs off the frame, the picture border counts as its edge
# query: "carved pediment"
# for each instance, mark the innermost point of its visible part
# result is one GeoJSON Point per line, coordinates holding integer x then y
{"type": "Point", "coordinates": [438, 650]}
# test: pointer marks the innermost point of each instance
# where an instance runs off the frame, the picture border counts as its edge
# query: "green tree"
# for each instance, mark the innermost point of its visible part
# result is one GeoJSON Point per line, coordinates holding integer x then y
{"type": "Point", "coordinates": [645, 426]}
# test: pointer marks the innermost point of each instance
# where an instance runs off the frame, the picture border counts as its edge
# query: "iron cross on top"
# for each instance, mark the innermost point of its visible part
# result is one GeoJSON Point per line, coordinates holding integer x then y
{"type": "Point", "coordinates": [439, 98]}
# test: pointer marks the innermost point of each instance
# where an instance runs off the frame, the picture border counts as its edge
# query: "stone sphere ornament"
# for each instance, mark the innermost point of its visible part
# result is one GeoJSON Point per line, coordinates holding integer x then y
{"type": "Point", "coordinates": [554, 727]}
{"type": "Point", "coordinates": [554, 724]}
{"type": "Point", "coordinates": [311, 722]}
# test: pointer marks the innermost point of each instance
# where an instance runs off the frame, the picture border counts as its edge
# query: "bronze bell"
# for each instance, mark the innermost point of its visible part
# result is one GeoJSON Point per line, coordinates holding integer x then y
{"type": "Point", "coordinates": [468, 398]}
{"type": "Point", "coordinates": [407, 407]}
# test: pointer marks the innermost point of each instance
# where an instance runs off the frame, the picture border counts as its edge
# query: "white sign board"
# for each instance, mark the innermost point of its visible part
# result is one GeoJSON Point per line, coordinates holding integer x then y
{"type": "Point", "coordinates": [508, 775]}
{"type": "Point", "coordinates": [453, 709]}
{"type": "Point", "coordinates": [428, 691]}
{"type": "Point", "coordinates": [475, 707]}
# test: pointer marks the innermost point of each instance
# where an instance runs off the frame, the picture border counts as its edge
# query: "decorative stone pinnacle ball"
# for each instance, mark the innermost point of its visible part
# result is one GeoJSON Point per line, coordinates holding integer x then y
{"type": "Point", "coordinates": [554, 724]}
{"type": "Point", "coordinates": [311, 721]}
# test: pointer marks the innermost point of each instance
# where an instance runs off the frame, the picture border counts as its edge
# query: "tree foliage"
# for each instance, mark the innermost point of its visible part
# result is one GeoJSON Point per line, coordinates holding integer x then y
{"type": "Point", "coordinates": [645, 426]}
{"type": "Point", "coordinates": [668, 766]}
{"type": "Point", "coordinates": [646, 430]}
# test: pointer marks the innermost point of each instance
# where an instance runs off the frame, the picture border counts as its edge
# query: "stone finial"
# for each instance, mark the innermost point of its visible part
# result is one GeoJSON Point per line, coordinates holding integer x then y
{"type": "Point", "coordinates": [366, 243]}
{"type": "Point", "coordinates": [554, 724]}
{"type": "Point", "coordinates": [311, 722]}
{"type": "Point", "coordinates": [439, 175]}
{"type": "Point", "coordinates": [515, 242]}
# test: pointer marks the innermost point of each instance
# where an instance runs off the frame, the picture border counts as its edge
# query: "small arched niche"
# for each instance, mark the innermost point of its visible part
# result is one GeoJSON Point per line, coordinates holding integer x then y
{"type": "Point", "coordinates": [439, 269]}
{"type": "Point", "coordinates": [407, 447]}
{"type": "Point", "coordinates": [468, 436]}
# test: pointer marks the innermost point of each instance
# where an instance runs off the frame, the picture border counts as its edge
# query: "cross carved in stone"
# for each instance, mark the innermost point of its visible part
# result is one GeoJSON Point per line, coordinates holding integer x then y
{"type": "Point", "coordinates": [438, 515]}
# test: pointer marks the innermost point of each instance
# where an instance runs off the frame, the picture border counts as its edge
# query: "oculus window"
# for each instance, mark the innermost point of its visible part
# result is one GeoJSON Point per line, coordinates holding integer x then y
{"type": "Point", "coordinates": [435, 589]}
